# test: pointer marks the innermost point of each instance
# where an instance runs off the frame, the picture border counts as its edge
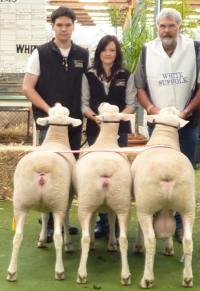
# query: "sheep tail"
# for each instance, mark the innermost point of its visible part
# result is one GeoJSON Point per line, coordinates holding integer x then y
{"type": "Point", "coordinates": [105, 181]}
{"type": "Point", "coordinates": [42, 179]}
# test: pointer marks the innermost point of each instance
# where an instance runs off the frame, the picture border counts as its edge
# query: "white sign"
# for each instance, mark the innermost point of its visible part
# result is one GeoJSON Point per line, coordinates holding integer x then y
{"type": "Point", "coordinates": [22, 28]}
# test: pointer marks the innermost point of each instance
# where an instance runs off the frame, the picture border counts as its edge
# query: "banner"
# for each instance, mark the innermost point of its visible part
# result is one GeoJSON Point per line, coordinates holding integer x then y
{"type": "Point", "coordinates": [22, 28]}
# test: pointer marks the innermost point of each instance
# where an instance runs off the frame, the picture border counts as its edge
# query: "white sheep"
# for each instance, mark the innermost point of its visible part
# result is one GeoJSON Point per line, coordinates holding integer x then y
{"type": "Point", "coordinates": [42, 181]}
{"type": "Point", "coordinates": [103, 181]}
{"type": "Point", "coordinates": [163, 182]}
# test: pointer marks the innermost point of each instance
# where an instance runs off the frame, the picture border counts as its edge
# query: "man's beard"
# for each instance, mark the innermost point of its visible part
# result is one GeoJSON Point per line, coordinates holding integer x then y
{"type": "Point", "coordinates": [168, 41]}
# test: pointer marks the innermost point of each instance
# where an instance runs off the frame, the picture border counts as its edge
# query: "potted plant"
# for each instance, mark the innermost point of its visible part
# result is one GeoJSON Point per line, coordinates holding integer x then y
{"type": "Point", "coordinates": [135, 34]}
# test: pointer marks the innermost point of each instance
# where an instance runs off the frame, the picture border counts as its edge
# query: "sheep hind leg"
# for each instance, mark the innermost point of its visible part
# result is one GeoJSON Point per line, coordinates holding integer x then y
{"type": "Point", "coordinates": [123, 245]}
{"type": "Point", "coordinates": [58, 241]}
{"type": "Point", "coordinates": [43, 233]}
{"type": "Point", "coordinates": [112, 242]}
{"type": "Point", "coordinates": [68, 246]}
{"type": "Point", "coordinates": [150, 245]}
{"type": "Point", "coordinates": [84, 219]}
{"type": "Point", "coordinates": [188, 221]}
{"type": "Point", "coordinates": [17, 240]}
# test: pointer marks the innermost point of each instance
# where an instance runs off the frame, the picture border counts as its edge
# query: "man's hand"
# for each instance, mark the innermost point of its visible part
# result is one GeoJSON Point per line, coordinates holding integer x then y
{"type": "Point", "coordinates": [152, 110]}
{"type": "Point", "coordinates": [184, 114]}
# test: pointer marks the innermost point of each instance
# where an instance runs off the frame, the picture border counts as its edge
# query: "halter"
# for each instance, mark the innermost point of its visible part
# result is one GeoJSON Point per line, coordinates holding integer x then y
{"type": "Point", "coordinates": [111, 121]}
{"type": "Point", "coordinates": [55, 124]}
{"type": "Point", "coordinates": [169, 125]}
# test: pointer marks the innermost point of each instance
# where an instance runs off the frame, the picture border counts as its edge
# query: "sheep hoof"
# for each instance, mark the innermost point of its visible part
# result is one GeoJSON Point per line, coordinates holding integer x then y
{"type": "Point", "coordinates": [146, 283]}
{"type": "Point", "coordinates": [187, 282]}
{"type": "Point", "coordinates": [11, 277]}
{"type": "Point", "coordinates": [68, 248]}
{"type": "Point", "coordinates": [126, 281]}
{"type": "Point", "coordinates": [59, 275]}
{"type": "Point", "coordinates": [41, 244]}
{"type": "Point", "coordinates": [81, 279]}
{"type": "Point", "coordinates": [169, 252]}
{"type": "Point", "coordinates": [112, 247]}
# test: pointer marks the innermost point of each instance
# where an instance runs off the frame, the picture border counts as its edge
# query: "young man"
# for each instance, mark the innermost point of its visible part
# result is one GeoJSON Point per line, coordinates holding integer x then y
{"type": "Point", "coordinates": [167, 75]}
{"type": "Point", "coordinates": [54, 74]}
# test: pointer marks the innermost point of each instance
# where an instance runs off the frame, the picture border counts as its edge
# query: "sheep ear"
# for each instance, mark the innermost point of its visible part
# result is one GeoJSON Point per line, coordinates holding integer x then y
{"type": "Point", "coordinates": [43, 121]}
{"type": "Point", "coordinates": [75, 122]}
{"type": "Point", "coordinates": [125, 116]}
{"type": "Point", "coordinates": [151, 118]}
{"type": "Point", "coordinates": [182, 122]}
{"type": "Point", "coordinates": [100, 117]}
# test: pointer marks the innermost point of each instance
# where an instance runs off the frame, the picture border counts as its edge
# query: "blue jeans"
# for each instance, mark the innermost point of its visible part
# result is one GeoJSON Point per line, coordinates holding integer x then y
{"type": "Point", "coordinates": [188, 137]}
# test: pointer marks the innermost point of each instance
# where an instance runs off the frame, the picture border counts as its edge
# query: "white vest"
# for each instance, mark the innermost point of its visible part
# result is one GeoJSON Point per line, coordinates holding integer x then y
{"type": "Point", "coordinates": [171, 79]}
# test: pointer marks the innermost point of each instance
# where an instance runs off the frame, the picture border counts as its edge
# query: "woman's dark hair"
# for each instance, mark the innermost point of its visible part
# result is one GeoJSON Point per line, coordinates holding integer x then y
{"type": "Point", "coordinates": [97, 64]}
{"type": "Point", "coordinates": [63, 11]}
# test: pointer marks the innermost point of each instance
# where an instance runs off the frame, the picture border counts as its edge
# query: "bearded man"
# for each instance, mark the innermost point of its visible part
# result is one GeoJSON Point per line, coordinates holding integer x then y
{"type": "Point", "coordinates": [168, 75]}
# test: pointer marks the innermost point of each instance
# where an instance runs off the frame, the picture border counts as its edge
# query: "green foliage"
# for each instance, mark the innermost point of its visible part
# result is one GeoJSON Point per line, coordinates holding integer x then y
{"type": "Point", "coordinates": [186, 12]}
{"type": "Point", "coordinates": [115, 16]}
{"type": "Point", "coordinates": [134, 35]}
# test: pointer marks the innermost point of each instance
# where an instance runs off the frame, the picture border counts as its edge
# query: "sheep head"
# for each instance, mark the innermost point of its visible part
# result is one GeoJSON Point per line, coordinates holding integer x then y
{"type": "Point", "coordinates": [109, 112]}
{"type": "Point", "coordinates": [58, 115]}
{"type": "Point", "coordinates": [168, 116]}
{"type": "Point", "coordinates": [58, 109]}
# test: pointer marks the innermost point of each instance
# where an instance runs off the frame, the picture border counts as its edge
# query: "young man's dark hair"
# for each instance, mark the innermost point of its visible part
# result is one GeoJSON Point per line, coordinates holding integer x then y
{"type": "Point", "coordinates": [63, 11]}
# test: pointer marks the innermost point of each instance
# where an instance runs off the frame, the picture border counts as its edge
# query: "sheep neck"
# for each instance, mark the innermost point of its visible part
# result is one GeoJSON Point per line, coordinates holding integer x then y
{"type": "Point", "coordinates": [58, 135]}
{"type": "Point", "coordinates": [166, 136]}
{"type": "Point", "coordinates": [107, 136]}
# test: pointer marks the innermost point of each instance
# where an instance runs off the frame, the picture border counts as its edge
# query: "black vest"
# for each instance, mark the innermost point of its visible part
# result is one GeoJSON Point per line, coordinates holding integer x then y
{"type": "Point", "coordinates": [116, 96]}
{"type": "Point", "coordinates": [57, 83]}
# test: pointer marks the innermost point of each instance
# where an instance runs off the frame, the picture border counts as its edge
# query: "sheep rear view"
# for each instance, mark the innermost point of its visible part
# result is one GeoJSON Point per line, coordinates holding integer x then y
{"type": "Point", "coordinates": [49, 184]}
{"type": "Point", "coordinates": [103, 181]}
{"type": "Point", "coordinates": [42, 181]}
{"type": "Point", "coordinates": [166, 185]}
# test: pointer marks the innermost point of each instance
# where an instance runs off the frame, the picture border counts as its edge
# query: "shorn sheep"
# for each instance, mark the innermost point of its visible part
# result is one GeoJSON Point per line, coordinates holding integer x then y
{"type": "Point", "coordinates": [42, 181]}
{"type": "Point", "coordinates": [163, 182]}
{"type": "Point", "coordinates": [103, 181]}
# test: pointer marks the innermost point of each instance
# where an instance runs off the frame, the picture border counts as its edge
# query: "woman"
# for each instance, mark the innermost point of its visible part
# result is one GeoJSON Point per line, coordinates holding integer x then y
{"type": "Point", "coordinates": [107, 81]}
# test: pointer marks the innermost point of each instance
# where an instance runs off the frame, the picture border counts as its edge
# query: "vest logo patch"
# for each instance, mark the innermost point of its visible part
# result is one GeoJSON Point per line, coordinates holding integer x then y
{"type": "Point", "coordinates": [120, 83]}
{"type": "Point", "coordinates": [78, 63]}
{"type": "Point", "coordinates": [172, 79]}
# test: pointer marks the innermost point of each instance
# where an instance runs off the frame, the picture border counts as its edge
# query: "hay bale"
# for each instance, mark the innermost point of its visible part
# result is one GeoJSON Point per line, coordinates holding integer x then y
{"type": "Point", "coordinates": [9, 157]}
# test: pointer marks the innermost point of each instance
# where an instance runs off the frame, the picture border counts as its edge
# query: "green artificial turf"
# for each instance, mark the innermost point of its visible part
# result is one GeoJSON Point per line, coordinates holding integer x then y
{"type": "Point", "coordinates": [36, 266]}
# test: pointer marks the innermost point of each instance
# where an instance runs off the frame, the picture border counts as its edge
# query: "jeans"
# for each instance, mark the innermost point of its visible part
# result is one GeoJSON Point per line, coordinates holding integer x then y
{"type": "Point", "coordinates": [188, 137]}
